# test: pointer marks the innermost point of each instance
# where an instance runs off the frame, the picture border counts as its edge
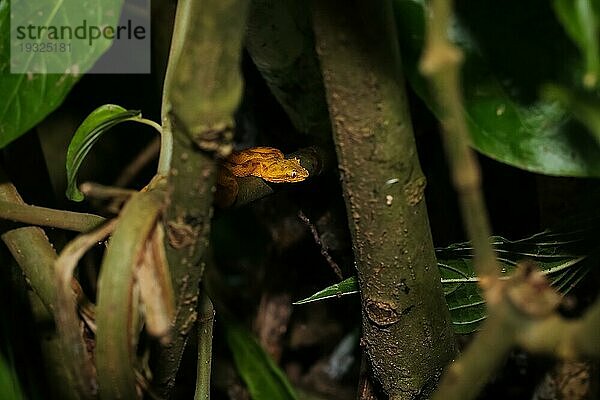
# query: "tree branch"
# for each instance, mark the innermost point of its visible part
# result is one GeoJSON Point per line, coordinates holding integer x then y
{"type": "Point", "coordinates": [36, 256]}
{"type": "Point", "coordinates": [279, 40]}
{"type": "Point", "coordinates": [202, 90]}
{"type": "Point", "coordinates": [34, 215]}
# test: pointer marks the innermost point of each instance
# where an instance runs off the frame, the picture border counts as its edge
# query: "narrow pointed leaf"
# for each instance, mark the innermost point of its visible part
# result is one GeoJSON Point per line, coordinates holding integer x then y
{"type": "Point", "coordinates": [264, 379]}
{"type": "Point", "coordinates": [345, 287]}
{"type": "Point", "coordinates": [68, 323]}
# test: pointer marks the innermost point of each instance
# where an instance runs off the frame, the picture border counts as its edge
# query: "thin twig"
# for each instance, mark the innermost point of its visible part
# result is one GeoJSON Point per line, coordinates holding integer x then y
{"type": "Point", "coordinates": [205, 336]}
{"type": "Point", "coordinates": [149, 153]}
{"type": "Point", "coordinates": [97, 191]}
{"type": "Point", "coordinates": [324, 252]}
{"type": "Point", "coordinates": [166, 147]}
{"type": "Point", "coordinates": [144, 385]}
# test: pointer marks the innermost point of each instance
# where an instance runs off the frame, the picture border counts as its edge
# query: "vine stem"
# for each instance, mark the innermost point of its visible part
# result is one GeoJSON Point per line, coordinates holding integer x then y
{"type": "Point", "coordinates": [522, 308]}
{"type": "Point", "coordinates": [440, 63]}
{"type": "Point", "coordinates": [205, 335]}
{"type": "Point", "coordinates": [166, 146]}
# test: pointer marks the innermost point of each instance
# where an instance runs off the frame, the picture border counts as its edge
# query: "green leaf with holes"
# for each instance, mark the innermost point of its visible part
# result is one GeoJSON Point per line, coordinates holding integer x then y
{"type": "Point", "coordinates": [91, 129]}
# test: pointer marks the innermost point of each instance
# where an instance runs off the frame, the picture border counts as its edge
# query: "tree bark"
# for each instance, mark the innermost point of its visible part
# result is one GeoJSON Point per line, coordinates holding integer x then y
{"type": "Point", "coordinates": [202, 89]}
{"type": "Point", "coordinates": [280, 42]}
{"type": "Point", "coordinates": [407, 333]}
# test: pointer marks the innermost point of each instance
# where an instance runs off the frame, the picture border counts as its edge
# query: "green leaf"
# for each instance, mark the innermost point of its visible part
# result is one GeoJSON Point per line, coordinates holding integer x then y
{"type": "Point", "coordinates": [9, 382]}
{"type": "Point", "coordinates": [264, 379]}
{"type": "Point", "coordinates": [580, 20]}
{"type": "Point", "coordinates": [508, 56]}
{"type": "Point", "coordinates": [95, 125]}
{"type": "Point", "coordinates": [561, 256]}
{"type": "Point", "coordinates": [345, 287]}
{"type": "Point", "coordinates": [585, 107]}
{"type": "Point", "coordinates": [557, 256]}
{"type": "Point", "coordinates": [28, 98]}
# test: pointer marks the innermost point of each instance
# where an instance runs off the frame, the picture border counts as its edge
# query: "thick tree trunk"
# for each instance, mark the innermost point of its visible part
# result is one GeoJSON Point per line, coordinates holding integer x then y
{"type": "Point", "coordinates": [407, 333]}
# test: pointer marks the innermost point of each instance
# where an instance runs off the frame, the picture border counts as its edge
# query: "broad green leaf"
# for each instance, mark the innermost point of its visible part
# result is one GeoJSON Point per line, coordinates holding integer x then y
{"type": "Point", "coordinates": [264, 379]}
{"type": "Point", "coordinates": [508, 56]}
{"type": "Point", "coordinates": [95, 125]}
{"type": "Point", "coordinates": [585, 107]}
{"type": "Point", "coordinates": [26, 99]}
{"type": "Point", "coordinates": [561, 256]}
{"type": "Point", "coordinates": [580, 20]}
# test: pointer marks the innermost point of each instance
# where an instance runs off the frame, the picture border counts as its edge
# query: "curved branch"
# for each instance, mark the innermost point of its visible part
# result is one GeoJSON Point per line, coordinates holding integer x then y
{"type": "Point", "coordinates": [36, 256]}
{"type": "Point", "coordinates": [281, 44]}
{"type": "Point", "coordinates": [115, 336]}
{"type": "Point", "coordinates": [32, 251]}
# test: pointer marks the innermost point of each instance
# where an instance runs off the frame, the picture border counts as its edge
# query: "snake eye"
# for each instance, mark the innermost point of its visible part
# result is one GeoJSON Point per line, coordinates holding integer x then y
{"type": "Point", "coordinates": [294, 174]}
